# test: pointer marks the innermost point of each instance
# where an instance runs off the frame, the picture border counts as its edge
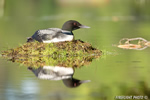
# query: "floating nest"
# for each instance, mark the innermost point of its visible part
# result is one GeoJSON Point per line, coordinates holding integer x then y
{"type": "Point", "coordinates": [73, 54]}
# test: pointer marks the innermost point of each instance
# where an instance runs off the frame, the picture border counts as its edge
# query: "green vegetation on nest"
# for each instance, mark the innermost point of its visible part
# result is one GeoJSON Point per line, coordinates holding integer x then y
{"type": "Point", "coordinates": [73, 48]}
{"type": "Point", "coordinates": [70, 54]}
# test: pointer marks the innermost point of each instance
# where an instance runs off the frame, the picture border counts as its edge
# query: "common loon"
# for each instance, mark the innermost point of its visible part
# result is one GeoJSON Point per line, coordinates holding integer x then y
{"type": "Point", "coordinates": [56, 34]}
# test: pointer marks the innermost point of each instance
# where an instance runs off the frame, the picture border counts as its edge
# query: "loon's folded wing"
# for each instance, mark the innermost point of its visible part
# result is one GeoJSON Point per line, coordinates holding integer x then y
{"type": "Point", "coordinates": [46, 34]}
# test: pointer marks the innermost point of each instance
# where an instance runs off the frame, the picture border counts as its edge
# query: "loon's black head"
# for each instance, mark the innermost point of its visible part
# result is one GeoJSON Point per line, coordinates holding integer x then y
{"type": "Point", "coordinates": [72, 25]}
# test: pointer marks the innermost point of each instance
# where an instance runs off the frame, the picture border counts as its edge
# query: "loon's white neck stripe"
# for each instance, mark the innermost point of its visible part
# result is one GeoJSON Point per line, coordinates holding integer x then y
{"type": "Point", "coordinates": [67, 32]}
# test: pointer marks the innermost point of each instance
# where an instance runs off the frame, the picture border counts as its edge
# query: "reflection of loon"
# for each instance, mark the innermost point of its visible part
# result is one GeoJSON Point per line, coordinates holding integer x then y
{"type": "Point", "coordinates": [58, 73]}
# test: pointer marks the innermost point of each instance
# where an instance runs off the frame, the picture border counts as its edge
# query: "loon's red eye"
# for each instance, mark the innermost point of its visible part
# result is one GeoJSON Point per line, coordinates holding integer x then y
{"type": "Point", "coordinates": [74, 24]}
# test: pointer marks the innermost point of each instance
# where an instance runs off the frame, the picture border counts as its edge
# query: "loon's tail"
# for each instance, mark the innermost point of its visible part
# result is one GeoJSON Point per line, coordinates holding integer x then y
{"type": "Point", "coordinates": [30, 39]}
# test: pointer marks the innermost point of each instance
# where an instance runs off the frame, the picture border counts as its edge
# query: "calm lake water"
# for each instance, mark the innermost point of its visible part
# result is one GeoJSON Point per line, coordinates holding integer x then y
{"type": "Point", "coordinates": [118, 72]}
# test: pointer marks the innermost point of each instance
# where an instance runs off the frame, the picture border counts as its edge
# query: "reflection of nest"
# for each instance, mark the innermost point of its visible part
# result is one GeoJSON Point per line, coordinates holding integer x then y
{"type": "Point", "coordinates": [50, 61]}
{"type": "Point", "coordinates": [68, 54]}
{"type": "Point", "coordinates": [133, 43]}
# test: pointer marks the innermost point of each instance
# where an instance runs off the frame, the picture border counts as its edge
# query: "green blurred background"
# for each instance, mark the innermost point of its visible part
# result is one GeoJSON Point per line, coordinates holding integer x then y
{"type": "Point", "coordinates": [119, 72]}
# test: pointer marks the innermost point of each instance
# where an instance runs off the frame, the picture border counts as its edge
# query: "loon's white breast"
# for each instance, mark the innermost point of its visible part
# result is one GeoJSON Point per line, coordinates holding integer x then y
{"type": "Point", "coordinates": [61, 37]}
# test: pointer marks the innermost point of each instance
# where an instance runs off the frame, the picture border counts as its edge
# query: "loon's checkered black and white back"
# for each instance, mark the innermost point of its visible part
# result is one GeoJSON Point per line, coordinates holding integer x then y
{"type": "Point", "coordinates": [52, 35]}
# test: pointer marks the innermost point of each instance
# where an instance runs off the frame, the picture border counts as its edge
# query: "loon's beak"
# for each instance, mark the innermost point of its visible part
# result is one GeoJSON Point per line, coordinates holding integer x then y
{"type": "Point", "coordinates": [85, 81]}
{"type": "Point", "coordinates": [83, 26]}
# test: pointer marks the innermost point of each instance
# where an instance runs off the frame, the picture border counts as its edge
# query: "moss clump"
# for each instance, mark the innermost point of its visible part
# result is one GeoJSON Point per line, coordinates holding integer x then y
{"type": "Point", "coordinates": [68, 54]}
{"type": "Point", "coordinates": [73, 48]}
